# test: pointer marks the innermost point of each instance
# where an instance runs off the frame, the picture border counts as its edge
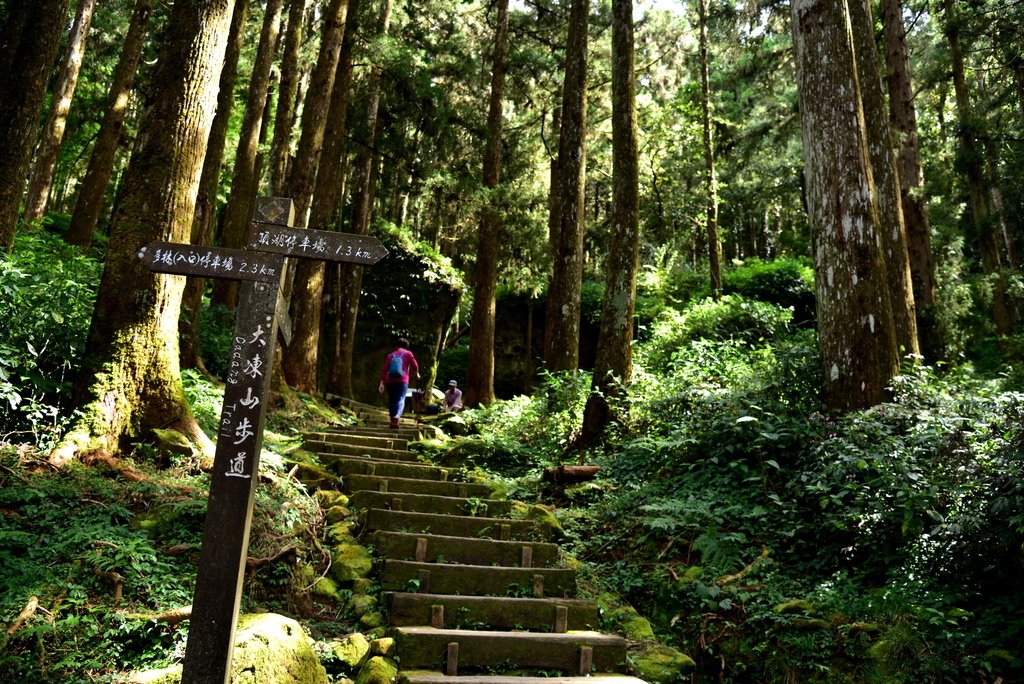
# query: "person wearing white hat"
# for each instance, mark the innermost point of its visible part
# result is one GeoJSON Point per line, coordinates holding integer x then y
{"type": "Point", "coordinates": [452, 397]}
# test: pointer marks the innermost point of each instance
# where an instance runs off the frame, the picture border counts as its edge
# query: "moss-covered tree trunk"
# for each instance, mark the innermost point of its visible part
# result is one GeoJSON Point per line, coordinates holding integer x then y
{"type": "Point", "coordinates": [94, 186]}
{"type": "Point", "coordinates": [38, 194]}
{"type": "Point", "coordinates": [856, 334]}
{"type": "Point", "coordinates": [209, 184]}
{"type": "Point", "coordinates": [350, 276]}
{"type": "Point", "coordinates": [480, 373]}
{"type": "Point", "coordinates": [613, 367]}
{"type": "Point", "coordinates": [710, 179]}
{"type": "Point", "coordinates": [300, 357]}
{"type": "Point", "coordinates": [284, 116]}
{"type": "Point", "coordinates": [972, 161]}
{"type": "Point", "coordinates": [131, 381]}
{"type": "Point", "coordinates": [562, 320]}
{"type": "Point", "coordinates": [31, 41]}
{"type": "Point", "coordinates": [893, 230]}
{"type": "Point", "coordinates": [903, 121]}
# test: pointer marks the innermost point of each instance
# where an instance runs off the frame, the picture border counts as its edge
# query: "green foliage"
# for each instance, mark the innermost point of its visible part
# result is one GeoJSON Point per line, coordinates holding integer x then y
{"type": "Point", "coordinates": [787, 282]}
{"type": "Point", "coordinates": [205, 399]}
{"type": "Point", "coordinates": [216, 332]}
{"type": "Point", "coordinates": [46, 296]}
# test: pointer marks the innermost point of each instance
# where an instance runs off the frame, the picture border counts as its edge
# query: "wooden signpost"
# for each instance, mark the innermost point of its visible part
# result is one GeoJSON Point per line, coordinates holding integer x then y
{"type": "Point", "coordinates": [261, 267]}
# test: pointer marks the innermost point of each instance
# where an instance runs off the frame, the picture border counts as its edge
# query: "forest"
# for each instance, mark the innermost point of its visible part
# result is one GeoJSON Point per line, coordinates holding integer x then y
{"type": "Point", "coordinates": [757, 263]}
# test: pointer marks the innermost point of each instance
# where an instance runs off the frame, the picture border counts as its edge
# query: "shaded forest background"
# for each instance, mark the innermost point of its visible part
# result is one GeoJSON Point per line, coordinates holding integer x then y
{"type": "Point", "coordinates": [898, 521]}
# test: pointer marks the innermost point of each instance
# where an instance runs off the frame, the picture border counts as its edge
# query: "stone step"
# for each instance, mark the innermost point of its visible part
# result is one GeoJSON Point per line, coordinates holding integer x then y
{"type": "Point", "coordinates": [432, 503]}
{"type": "Point", "coordinates": [410, 485]}
{"type": "Point", "coordinates": [407, 431]}
{"type": "Point", "coordinates": [490, 612]}
{"type": "Point", "coordinates": [478, 580]}
{"type": "Point", "coordinates": [430, 677]}
{"type": "Point", "coordinates": [432, 548]}
{"type": "Point", "coordinates": [387, 442]}
{"type": "Point", "coordinates": [456, 650]}
{"type": "Point", "coordinates": [362, 465]}
{"type": "Point", "coordinates": [381, 453]}
{"type": "Point", "coordinates": [504, 529]}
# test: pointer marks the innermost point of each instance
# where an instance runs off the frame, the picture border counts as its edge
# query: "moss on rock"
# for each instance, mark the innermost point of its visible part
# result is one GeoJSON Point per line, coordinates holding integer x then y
{"type": "Point", "coordinates": [662, 664]}
{"type": "Point", "coordinates": [378, 670]}
{"type": "Point", "coordinates": [351, 650]}
{"type": "Point", "coordinates": [350, 562]}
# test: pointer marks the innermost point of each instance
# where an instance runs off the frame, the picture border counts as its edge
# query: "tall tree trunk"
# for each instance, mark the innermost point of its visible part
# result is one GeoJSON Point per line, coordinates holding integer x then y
{"type": "Point", "coordinates": [130, 368]}
{"type": "Point", "coordinates": [41, 181]}
{"type": "Point", "coordinates": [893, 231]}
{"type": "Point", "coordinates": [284, 119]}
{"type": "Point", "coordinates": [562, 327]}
{"type": "Point", "coordinates": [613, 367]}
{"type": "Point", "coordinates": [101, 163]}
{"type": "Point", "coordinates": [480, 371]}
{"type": "Point", "coordinates": [326, 210]}
{"type": "Point", "coordinates": [300, 358]}
{"type": "Point", "coordinates": [350, 276]}
{"type": "Point", "coordinates": [710, 180]}
{"type": "Point", "coordinates": [554, 184]}
{"type": "Point", "coordinates": [31, 56]}
{"type": "Point", "coordinates": [856, 336]}
{"type": "Point", "coordinates": [972, 159]}
{"type": "Point", "coordinates": [244, 178]}
{"type": "Point", "coordinates": [903, 121]}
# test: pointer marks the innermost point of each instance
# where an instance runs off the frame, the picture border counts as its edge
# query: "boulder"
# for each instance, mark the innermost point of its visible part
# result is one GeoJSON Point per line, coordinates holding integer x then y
{"type": "Point", "coordinates": [351, 650]}
{"type": "Point", "coordinates": [350, 562]}
{"type": "Point", "coordinates": [662, 664]}
{"type": "Point", "coordinates": [378, 670]}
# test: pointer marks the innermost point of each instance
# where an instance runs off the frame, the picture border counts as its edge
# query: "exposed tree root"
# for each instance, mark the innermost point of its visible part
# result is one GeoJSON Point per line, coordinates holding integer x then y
{"type": "Point", "coordinates": [170, 618]}
{"type": "Point", "coordinates": [27, 612]}
{"type": "Point", "coordinates": [727, 579]}
{"type": "Point", "coordinates": [114, 578]}
{"type": "Point", "coordinates": [257, 562]}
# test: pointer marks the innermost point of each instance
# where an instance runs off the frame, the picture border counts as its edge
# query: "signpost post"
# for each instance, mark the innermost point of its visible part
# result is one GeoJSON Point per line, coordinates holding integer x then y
{"type": "Point", "coordinates": [240, 432]}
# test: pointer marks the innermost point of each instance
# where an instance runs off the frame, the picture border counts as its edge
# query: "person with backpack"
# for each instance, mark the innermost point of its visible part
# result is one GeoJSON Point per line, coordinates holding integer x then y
{"type": "Point", "coordinates": [394, 378]}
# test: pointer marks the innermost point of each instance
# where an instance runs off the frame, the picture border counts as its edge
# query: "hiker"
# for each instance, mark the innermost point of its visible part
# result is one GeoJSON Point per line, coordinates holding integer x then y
{"type": "Point", "coordinates": [395, 378]}
{"type": "Point", "coordinates": [452, 397]}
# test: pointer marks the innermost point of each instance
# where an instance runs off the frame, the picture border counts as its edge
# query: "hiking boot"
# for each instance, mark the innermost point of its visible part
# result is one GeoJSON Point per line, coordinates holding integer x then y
{"type": "Point", "coordinates": [394, 422]}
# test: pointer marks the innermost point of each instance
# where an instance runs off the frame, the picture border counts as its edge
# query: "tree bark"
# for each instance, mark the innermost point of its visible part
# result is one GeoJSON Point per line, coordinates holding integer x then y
{"type": "Point", "coordinates": [284, 118]}
{"type": "Point", "coordinates": [480, 372]}
{"type": "Point", "coordinates": [244, 179]}
{"type": "Point", "coordinates": [856, 335]}
{"type": "Point", "coordinates": [972, 159]}
{"type": "Point", "coordinates": [94, 186]}
{"type": "Point", "coordinates": [710, 179]}
{"type": "Point", "coordinates": [613, 367]}
{"type": "Point", "coordinates": [300, 358]}
{"type": "Point", "coordinates": [130, 370]}
{"type": "Point", "coordinates": [903, 122]}
{"type": "Point", "coordinates": [562, 327]}
{"type": "Point", "coordinates": [893, 231]}
{"type": "Point", "coordinates": [325, 214]}
{"type": "Point", "coordinates": [209, 183]}
{"type": "Point", "coordinates": [39, 184]}
{"type": "Point", "coordinates": [350, 276]}
{"type": "Point", "coordinates": [32, 53]}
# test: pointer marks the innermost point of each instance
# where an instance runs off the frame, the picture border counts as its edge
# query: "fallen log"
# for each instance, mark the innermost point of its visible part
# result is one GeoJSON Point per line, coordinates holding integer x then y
{"type": "Point", "coordinates": [572, 474]}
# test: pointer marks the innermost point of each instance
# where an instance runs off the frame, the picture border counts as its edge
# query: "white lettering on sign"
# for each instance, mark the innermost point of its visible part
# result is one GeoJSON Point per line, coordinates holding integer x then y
{"type": "Point", "coordinates": [258, 337]}
{"type": "Point", "coordinates": [243, 431]}
{"type": "Point", "coordinates": [254, 367]}
{"type": "Point", "coordinates": [249, 401]}
{"type": "Point", "coordinates": [236, 466]}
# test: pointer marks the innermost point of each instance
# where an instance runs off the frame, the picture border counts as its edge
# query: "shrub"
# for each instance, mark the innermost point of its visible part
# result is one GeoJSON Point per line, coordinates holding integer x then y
{"type": "Point", "coordinates": [47, 289]}
{"type": "Point", "coordinates": [786, 282]}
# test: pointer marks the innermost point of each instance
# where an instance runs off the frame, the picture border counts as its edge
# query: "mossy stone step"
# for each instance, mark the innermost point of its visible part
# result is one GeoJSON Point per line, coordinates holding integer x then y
{"type": "Point", "coordinates": [385, 442]}
{"type": "Point", "coordinates": [504, 529]}
{"type": "Point", "coordinates": [407, 431]}
{"type": "Point", "coordinates": [431, 677]}
{"type": "Point", "coordinates": [432, 548]}
{"type": "Point", "coordinates": [478, 580]}
{"type": "Point", "coordinates": [381, 453]}
{"type": "Point", "coordinates": [362, 465]}
{"type": "Point", "coordinates": [410, 485]}
{"type": "Point", "coordinates": [490, 612]}
{"type": "Point", "coordinates": [432, 503]}
{"type": "Point", "coordinates": [427, 647]}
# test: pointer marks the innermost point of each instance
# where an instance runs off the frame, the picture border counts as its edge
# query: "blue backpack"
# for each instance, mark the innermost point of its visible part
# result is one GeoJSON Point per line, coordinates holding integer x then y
{"type": "Point", "coordinates": [395, 365]}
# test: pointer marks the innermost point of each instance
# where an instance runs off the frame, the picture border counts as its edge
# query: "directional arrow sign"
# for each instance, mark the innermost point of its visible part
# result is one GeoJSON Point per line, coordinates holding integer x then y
{"type": "Point", "coordinates": [316, 244]}
{"type": "Point", "coordinates": [211, 262]}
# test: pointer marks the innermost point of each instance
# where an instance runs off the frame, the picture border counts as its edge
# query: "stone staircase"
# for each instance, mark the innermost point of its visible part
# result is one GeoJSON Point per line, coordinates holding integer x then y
{"type": "Point", "coordinates": [471, 594]}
